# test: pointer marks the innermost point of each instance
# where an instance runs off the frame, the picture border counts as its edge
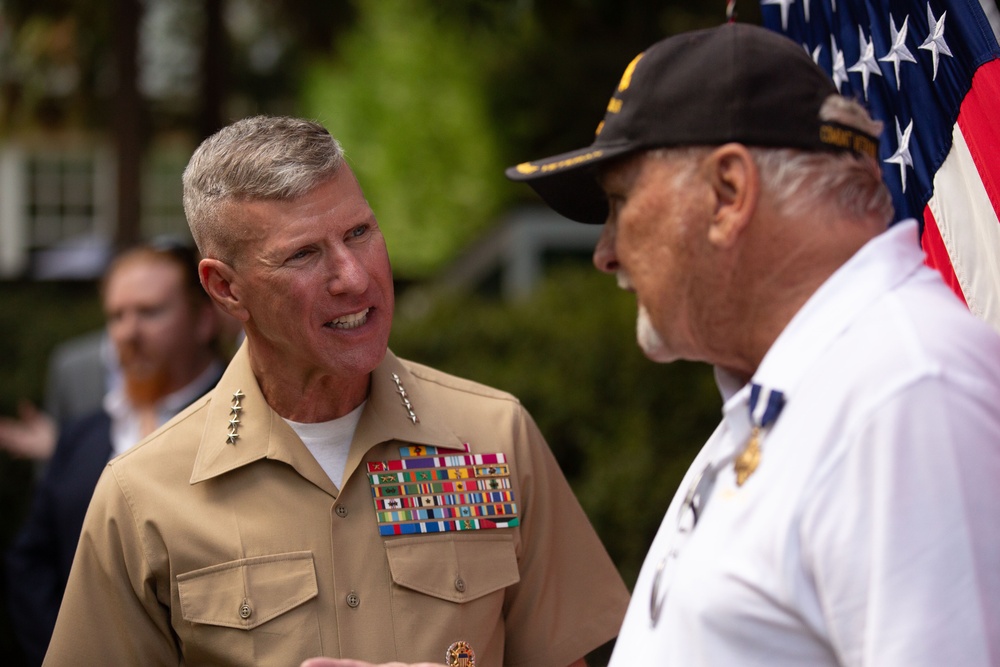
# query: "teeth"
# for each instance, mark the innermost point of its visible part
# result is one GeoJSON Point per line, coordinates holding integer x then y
{"type": "Point", "coordinates": [350, 321]}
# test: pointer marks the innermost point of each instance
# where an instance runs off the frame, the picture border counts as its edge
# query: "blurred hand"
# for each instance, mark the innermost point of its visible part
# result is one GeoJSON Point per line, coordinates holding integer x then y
{"type": "Point", "coordinates": [334, 662]}
{"type": "Point", "coordinates": [31, 436]}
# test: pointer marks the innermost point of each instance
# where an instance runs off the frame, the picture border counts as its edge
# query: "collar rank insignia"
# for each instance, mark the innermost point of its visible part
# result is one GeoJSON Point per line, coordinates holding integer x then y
{"type": "Point", "coordinates": [460, 654]}
{"type": "Point", "coordinates": [439, 489]}
{"type": "Point", "coordinates": [405, 399]}
{"type": "Point", "coordinates": [235, 409]}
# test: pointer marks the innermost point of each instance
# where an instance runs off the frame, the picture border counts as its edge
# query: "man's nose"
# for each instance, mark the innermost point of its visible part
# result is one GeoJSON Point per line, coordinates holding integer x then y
{"type": "Point", "coordinates": [124, 327]}
{"type": "Point", "coordinates": [604, 252]}
{"type": "Point", "coordinates": [348, 273]}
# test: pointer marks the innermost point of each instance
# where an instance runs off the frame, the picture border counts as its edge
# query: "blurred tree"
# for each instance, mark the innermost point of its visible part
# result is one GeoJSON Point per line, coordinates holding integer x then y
{"type": "Point", "coordinates": [406, 98]}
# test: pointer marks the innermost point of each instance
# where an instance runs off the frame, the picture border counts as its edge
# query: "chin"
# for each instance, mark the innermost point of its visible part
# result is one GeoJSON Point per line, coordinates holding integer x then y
{"type": "Point", "coordinates": [650, 341]}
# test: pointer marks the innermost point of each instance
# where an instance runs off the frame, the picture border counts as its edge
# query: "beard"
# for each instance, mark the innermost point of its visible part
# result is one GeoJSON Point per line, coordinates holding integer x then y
{"type": "Point", "coordinates": [144, 382]}
{"type": "Point", "coordinates": [649, 338]}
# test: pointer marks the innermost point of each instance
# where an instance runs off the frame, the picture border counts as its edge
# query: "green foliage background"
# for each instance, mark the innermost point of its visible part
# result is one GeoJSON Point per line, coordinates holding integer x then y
{"type": "Point", "coordinates": [406, 99]}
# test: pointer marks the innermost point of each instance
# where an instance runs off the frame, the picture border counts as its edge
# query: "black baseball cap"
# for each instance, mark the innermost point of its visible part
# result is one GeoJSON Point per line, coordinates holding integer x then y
{"type": "Point", "coordinates": [735, 82]}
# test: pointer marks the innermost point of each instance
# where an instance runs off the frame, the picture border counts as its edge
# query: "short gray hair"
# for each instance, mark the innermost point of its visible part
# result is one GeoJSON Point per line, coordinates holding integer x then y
{"type": "Point", "coordinates": [257, 158]}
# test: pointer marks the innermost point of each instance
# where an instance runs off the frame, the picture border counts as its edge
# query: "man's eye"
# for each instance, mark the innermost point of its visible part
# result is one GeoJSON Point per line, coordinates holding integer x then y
{"type": "Point", "coordinates": [359, 231]}
{"type": "Point", "coordinates": [614, 204]}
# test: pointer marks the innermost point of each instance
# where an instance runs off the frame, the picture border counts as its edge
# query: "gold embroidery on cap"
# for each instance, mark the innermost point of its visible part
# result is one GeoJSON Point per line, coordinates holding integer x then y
{"type": "Point", "coordinates": [526, 168]}
{"type": "Point", "coordinates": [627, 76]}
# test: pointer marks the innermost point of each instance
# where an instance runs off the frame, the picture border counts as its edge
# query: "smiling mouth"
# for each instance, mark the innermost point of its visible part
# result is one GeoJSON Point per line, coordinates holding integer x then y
{"type": "Point", "coordinates": [349, 321]}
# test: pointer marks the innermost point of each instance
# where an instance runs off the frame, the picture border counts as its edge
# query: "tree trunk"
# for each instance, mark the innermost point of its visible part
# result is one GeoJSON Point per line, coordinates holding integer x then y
{"type": "Point", "coordinates": [128, 124]}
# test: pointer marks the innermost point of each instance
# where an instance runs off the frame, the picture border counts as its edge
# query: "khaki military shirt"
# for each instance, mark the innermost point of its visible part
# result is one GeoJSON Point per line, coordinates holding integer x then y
{"type": "Point", "coordinates": [222, 542]}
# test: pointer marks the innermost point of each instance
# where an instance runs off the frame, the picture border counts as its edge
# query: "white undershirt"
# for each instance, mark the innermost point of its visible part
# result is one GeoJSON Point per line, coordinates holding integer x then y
{"type": "Point", "coordinates": [330, 441]}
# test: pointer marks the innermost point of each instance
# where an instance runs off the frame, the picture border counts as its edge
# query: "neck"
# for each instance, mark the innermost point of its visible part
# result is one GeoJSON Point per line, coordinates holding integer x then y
{"type": "Point", "coordinates": [781, 272]}
{"type": "Point", "coordinates": [309, 397]}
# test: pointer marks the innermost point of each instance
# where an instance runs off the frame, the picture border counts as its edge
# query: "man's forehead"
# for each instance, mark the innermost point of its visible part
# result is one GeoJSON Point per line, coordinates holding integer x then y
{"type": "Point", "coordinates": [142, 278]}
{"type": "Point", "coordinates": [620, 172]}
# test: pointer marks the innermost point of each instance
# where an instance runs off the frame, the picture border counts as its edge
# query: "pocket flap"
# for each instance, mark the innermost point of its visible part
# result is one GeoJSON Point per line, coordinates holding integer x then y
{"type": "Point", "coordinates": [458, 570]}
{"type": "Point", "coordinates": [248, 592]}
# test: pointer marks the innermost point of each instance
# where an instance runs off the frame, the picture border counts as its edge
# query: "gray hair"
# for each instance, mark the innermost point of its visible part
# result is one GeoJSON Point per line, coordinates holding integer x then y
{"type": "Point", "coordinates": [799, 180]}
{"type": "Point", "coordinates": [848, 182]}
{"type": "Point", "coordinates": [257, 158]}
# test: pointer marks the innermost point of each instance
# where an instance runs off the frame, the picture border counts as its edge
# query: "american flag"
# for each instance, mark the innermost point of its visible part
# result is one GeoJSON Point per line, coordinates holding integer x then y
{"type": "Point", "coordinates": [930, 71]}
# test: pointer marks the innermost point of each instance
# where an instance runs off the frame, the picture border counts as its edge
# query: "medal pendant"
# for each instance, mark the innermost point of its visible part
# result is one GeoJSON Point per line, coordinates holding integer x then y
{"type": "Point", "coordinates": [747, 461]}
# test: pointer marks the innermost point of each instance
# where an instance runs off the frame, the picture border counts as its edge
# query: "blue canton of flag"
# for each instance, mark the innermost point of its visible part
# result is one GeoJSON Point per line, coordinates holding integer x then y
{"type": "Point", "coordinates": [929, 70]}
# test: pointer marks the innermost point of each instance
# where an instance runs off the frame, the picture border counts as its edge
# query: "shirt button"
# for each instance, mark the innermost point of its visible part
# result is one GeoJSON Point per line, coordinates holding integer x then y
{"type": "Point", "coordinates": [353, 600]}
{"type": "Point", "coordinates": [460, 585]}
{"type": "Point", "coordinates": [245, 610]}
{"type": "Point", "coordinates": [341, 511]}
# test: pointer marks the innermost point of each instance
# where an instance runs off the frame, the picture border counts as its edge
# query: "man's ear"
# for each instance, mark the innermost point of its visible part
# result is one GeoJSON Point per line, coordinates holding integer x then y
{"type": "Point", "coordinates": [217, 278]}
{"type": "Point", "coordinates": [735, 180]}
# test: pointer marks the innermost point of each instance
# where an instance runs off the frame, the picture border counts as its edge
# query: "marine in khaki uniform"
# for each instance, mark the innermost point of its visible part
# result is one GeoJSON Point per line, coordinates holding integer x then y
{"type": "Point", "coordinates": [328, 498]}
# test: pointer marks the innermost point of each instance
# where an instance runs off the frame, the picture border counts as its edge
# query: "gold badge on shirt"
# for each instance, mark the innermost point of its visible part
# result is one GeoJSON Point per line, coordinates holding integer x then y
{"type": "Point", "coordinates": [764, 407]}
{"type": "Point", "coordinates": [748, 459]}
{"type": "Point", "coordinates": [460, 654]}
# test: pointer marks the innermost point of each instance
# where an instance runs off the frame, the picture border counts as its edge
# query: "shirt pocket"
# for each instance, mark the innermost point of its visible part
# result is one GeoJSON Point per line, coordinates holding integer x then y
{"type": "Point", "coordinates": [459, 581]}
{"type": "Point", "coordinates": [248, 592]}
{"type": "Point", "coordinates": [454, 569]}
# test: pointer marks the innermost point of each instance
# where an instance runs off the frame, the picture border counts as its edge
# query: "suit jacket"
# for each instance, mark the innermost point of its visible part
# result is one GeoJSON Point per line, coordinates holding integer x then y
{"type": "Point", "coordinates": [39, 561]}
{"type": "Point", "coordinates": [79, 374]}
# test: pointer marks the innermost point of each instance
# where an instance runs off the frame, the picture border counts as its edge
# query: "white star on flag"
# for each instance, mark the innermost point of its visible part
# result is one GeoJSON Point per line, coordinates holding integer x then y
{"type": "Point", "coordinates": [815, 52]}
{"type": "Point", "coordinates": [839, 68]}
{"type": "Point", "coordinates": [866, 64]}
{"type": "Point", "coordinates": [784, 4]}
{"type": "Point", "coordinates": [935, 41]}
{"type": "Point", "coordinates": [902, 155]}
{"type": "Point", "coordinates": [898, 52]}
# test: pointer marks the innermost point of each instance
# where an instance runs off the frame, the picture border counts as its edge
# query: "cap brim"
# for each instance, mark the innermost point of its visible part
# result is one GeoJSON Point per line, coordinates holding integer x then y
{"type": "Point", "coordinates": [568, 182]}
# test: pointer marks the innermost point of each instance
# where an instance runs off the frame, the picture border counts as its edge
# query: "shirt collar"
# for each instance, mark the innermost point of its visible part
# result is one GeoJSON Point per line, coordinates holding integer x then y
{"type": "Point", "coordinates": [262, 433]}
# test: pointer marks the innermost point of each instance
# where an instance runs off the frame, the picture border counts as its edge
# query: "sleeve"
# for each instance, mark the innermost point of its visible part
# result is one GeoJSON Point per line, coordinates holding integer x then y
{"type": "Point", "coordinates": [903, 533]}
{"type": "Point", "coordinates": [112, 612]}
{"type": "Point", "coordinates": [571, 598]}
{"type": "Point", "coordinates": [33, 585]}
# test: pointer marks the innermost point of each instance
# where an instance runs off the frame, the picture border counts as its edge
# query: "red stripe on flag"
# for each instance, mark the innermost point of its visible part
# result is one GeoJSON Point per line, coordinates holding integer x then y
{"type": "Point", "coordinates": [936, 255]}
{"type": "Point", "coordinates": [977, 118]}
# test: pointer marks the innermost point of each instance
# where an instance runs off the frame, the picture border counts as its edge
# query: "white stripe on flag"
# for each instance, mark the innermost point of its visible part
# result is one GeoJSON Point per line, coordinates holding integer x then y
{"type": "Point", "coordinates": [970, 229]}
